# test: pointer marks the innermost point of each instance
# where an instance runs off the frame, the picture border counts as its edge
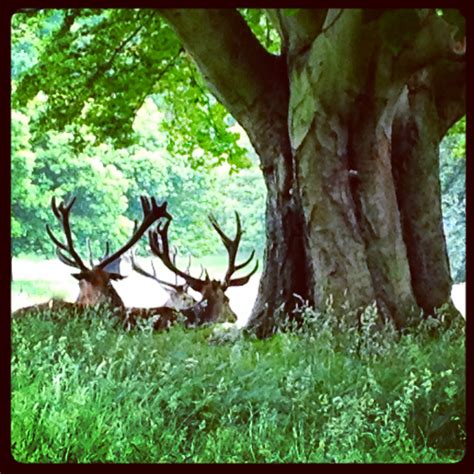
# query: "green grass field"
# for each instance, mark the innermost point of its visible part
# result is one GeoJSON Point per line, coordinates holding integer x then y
{"type": "Point", "coordinates": [84, 390]}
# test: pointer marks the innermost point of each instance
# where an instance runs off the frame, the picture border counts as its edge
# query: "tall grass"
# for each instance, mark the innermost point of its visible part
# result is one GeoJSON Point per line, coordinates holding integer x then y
{"type": "Point", "coordinates": [84, 390]}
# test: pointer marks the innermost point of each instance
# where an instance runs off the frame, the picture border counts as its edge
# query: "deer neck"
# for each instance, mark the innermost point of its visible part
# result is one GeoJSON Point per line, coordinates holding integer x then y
{"type": "Point", "coordinates": [212, 304]}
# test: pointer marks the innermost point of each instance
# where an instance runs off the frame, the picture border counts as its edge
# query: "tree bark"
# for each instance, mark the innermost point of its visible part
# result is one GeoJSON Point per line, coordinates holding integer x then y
{"type": "Point", "coordinates": [253, 85]}
{"type": "Point", "coordinates": [417, 131]}
{"type": "Point", "coordinates": [320, 117]}
{"type": "Point", "coordinates": [354, 240]}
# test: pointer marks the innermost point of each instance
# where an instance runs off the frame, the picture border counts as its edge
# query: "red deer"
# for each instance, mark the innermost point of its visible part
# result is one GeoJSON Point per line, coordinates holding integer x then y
{"type": "Point", "coordinates": [214, 305]}
{"type": "Point", "coordinates": [95, 282]}
{"type": "Point", "coordinates": [179, 298]}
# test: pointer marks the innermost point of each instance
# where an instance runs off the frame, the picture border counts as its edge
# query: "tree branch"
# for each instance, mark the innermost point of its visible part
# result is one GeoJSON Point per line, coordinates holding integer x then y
{"type": "Point", "coordinates": [249, 81]}
{"type": "Point", "coordinates": [298, 30]}
{"type": "Point", "coordinates": [449, 89]}
{"type": "Point", "coordinates": [435, 41]}
{"type": "Point", "coordinates": [108, 64]}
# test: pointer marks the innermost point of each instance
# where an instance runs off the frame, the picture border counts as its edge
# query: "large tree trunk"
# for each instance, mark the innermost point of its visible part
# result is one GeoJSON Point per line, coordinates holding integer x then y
{"type": "Point", "coordinates": [254, 88]}
{"type": "Point", "coordinates": [286, 271]}
{"type": "Point", "coordinates": [422, 119]}
{"type": "Point", "coordinates": [416, 165]}
{"type": "Point", "coordinates": [342, 147]}
{"type": "Point", "coordinates": [320, 117]}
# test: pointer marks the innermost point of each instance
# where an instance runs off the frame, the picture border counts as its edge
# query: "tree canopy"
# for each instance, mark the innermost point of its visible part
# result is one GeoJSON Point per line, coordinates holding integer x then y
{"type": "Point", "coordinates": [119, 85]}
{"type": "Point", "coordinates": [167, 146]}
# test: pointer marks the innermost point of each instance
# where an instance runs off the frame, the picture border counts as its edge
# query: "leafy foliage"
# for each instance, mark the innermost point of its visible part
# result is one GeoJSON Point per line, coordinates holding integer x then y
{"type": "Point", "coordinates": [108, 182]}
{"type": "Point", "coordinates": [112, 60]}
{"type": "Point", "coordinates": [123, 132]}
{"type": "Point", "coordinates": [83, 390]}
{"type": "Point", "coordinates": [263, 29]}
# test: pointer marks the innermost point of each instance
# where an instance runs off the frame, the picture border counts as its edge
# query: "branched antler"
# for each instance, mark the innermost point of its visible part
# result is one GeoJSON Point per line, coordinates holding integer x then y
{"type": "Point", "coordinates": [232, 246]}
{"type": "Point", "coordinates": [139, 269]}
{"type": "Point", "coordinates": [62, 214]}
{"type": "Point", "coordinates": [159, 245]}
{"type": "Point", "coordinates": [151, 213]}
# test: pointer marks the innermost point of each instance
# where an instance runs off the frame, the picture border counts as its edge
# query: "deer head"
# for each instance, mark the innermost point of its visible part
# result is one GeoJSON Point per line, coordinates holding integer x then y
{"type": "Point", "coordinates": [178, 296]}
{"type": "Point", "coordinates": [214, 305]}
{"type": "Point", "coordinates": [95, 282]}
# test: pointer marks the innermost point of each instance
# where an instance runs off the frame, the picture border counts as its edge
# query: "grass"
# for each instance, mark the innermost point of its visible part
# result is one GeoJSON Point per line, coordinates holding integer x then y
{"type": "Point", "coordinates": [84, 390]}
{"type": "Point", "coordinates": [39, 288]}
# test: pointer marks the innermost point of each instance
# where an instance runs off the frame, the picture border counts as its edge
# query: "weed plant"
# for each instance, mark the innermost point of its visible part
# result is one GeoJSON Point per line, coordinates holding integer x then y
{"type": "Point", "coordinates": [84, 390]}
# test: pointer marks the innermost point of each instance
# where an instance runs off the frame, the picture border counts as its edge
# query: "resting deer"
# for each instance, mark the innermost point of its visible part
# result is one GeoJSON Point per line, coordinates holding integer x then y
{"type": "Point", "coordinates": [178, 296]}
{"type": "Point", "coordinates": [95, 285]}
{"type": "Point", "coordinates": [214, 305]}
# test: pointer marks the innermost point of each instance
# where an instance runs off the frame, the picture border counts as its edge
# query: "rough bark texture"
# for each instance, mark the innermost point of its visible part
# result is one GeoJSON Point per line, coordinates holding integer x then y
{"type": "Point", "coordinates": [320, 117]}
{"type": "Point", "coordinates": [253, 85]}
{"type": "Point", "coordinates": [417, 132]}
{"type": "Point", "coordinates": [379, 217]}
{"type": "Point", "coordinates": [354, 233]}
{"type": "Point", "coordinates": [285, 272]}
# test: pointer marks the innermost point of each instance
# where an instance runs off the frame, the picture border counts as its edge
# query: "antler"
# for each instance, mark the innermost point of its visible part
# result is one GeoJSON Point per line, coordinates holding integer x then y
{"type": "Point", "coordinates": [232, 246]}
{"type": "Point", "coordinates": [91, 255]}
{"type": "Point", "coordinates": [153, 276]}
{"type": "Point", "coordinates": [160, 247]}
{"type": "Point", "coordinates": [151, 213]}
{"type": "Point", "coordinates": [62, 214]}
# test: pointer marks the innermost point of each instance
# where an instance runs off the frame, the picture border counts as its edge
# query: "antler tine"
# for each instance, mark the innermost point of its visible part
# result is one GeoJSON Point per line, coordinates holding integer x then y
{"type": "Point", "coordinates": [55, 239]}
{"type": "Point", "coordinates": [55, 208]}
{"type": "Point", "coordinates": [160, 247]}
{"type": "Point", "coordinates": [69, 205]}
{"type": "Point", "coordinates": [151, 213]}
{"type": "Point", "coordinates": [173, 258]}
{"type": "Point", "coordinates": [140, 269]}
{"type": "Point", "coordinates": [153, 276]}
{"type": "Point", "coordinates": [231, 245]}
{"type": "Point", "coordinates": [91, 259]}
{"type": "Point", "coordinates": [203, 272]}
{"type": "Point", "coordinates": [243, 264]}
{"type": "Point", "coordinates": [242, 280]}
{"type": "Point", "coordinates": [228, 242]}
{"type": "Point", "coordinates": [107, 249]}
{"type": "Point", "coordinates": [66, 260]}
{"type": "Point", "coordinates": [62, 214]}
{"type": "Point", "coordinates": [153, 268]}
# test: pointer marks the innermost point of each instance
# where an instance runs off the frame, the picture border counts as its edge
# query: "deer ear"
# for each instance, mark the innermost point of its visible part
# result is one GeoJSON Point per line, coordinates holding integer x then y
{"type": "Point", "coordinates": [88, 276]}
{"type": "Point", "coordinates": [116, 276]}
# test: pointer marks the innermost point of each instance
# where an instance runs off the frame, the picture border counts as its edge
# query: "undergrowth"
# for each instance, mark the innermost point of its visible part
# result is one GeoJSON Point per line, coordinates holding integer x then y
{"type": "Point", "coordinates": [84, 390]}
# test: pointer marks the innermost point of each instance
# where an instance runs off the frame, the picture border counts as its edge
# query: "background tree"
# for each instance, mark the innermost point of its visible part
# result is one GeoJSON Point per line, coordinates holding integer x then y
{"type": "Point", "coordinates": [453, 186]}
{"type": "Point", "coordinates": [346, 121]}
